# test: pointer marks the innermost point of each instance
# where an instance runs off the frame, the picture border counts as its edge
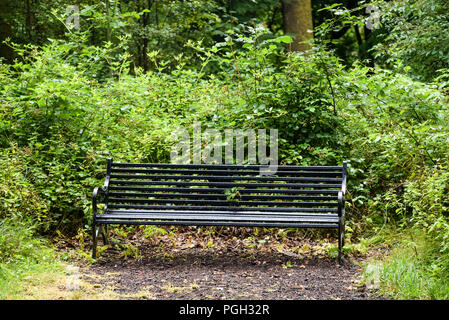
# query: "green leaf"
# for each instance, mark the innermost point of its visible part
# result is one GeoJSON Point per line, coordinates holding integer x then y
{"type": "Point", "coordinates": [284, 39]}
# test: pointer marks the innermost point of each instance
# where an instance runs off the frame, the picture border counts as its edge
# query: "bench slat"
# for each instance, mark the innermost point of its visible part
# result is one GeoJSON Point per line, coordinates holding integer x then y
{"type": "Point", "coordinates": [217, 196]}
{"type": "Point", "coordinates": [220, 166]}
{"type": "Point", "coordinates": [222, 223]}
{"type": "Point", "coordinates": [297, 173]}
{"type": "Point", "coordinates": [205, 190]}
{"type": "Point", "coordinates": [224, 184]}
{"type": "Point", "coordinates": [221, 217]}
{"type": "Point", "coordinates": [215, 211]}
{"type": "Point", "coordinates": [229, 208]}
{"type": "Point", "coordinates": [223, 178]}
{"type": "Point", "coordinates": [223, 202]}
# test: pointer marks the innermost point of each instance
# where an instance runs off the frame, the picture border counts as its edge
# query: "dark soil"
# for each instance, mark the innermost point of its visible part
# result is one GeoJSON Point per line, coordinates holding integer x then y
{"type": "Point", "coordinates": [227, 272]}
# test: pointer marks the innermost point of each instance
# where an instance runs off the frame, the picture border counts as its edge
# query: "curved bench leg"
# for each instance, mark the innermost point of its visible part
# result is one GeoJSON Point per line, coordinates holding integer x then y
{"type": "Point", "coordinates": [104, 233]}
{"type": "Point", "coordinates": [103, 229]}
{"type": "Point", "coordinates": [94, 238]}
{"type": "Point", "coordinates": [340, 241]}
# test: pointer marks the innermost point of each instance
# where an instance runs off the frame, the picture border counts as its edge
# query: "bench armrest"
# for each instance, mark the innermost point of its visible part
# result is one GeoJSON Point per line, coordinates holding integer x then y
{"type": "Point", "coordinates": [97, 191]}
{"type": "Point", "coordinates": [341, 203]}
{"type": "Point", "coordinates": [344, 178]}
{"type": "Point", "coordinates": [108, 175]}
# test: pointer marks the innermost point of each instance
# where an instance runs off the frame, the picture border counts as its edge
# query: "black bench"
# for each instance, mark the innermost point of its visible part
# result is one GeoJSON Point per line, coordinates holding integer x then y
{"type": "Point", "coordinates": [220, 195]}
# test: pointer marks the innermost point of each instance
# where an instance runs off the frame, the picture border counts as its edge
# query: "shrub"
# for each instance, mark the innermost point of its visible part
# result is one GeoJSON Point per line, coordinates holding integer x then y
{"type": "Point", "coordinates": [415, 36]}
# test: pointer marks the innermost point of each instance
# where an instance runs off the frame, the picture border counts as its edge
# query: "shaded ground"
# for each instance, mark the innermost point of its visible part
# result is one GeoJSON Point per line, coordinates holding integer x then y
{"type": "Point", "coordinates": [205, 275]}
{"type": "Point", "coordinates": [234, 270]}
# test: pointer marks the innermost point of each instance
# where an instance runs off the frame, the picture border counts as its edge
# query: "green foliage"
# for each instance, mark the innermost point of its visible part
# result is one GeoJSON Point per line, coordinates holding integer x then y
{"type": "Point", "coordinates": [18, 242]}
{"type": "Point", "coordinates": [133, 75]}
{"type": "Point", "coordinates": [58, 125]}
{"type": "Point", "coordinates": [22, 253]}
{"type": "Point", "coordinates": [269, 88]}
{"type": "Point", "coordinates": [151, 231]}
{"type": "Point", "coordinates": [19, 200]}
{"type": "Point", "coordinates": [232, 194]}
{"type": "Point", "coordinates": [416, 36]}
{"type": "Point", "coordinates": [412, 270]}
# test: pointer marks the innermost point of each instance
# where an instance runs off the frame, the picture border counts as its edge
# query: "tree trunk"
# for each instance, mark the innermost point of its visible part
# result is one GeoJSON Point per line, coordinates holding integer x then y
{"type": "Point", "coordinates": [108, 21]}
{"type": "Point", "coordinates": [28, 20]}
{"type": "Point", "coordinates": [297, 15]}
{"type": "Point", "coordinates": [368, 47]}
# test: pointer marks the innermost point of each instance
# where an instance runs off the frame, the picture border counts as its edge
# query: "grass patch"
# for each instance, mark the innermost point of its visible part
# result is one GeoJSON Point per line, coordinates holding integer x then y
{"type": "Point", "coordinates": [27, 262]}
{"type": "Point", "coordinates": [31, 269]}
{"type": "Point", "coordinates": [412, 269]}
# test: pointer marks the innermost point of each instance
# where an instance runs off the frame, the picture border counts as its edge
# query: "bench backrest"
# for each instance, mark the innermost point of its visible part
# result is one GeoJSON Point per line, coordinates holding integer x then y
{"type": "Point", "coordinates": [151, 186]}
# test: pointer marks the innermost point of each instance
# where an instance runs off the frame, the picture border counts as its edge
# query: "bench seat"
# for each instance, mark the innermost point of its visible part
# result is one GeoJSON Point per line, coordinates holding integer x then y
{"type": "Point", "coordinates": [272, 219]}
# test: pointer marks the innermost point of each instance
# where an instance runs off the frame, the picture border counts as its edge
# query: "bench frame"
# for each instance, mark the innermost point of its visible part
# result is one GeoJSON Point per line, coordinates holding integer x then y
{"type": "Point", "coordinates": [100, 222]}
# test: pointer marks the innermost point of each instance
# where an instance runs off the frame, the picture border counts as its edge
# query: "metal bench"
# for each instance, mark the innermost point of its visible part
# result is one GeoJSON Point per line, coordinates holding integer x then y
{"type": "Point", "coordinates": [220, 195]}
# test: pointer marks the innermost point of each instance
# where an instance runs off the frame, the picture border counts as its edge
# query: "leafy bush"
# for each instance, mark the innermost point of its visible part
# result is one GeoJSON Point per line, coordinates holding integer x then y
{"type": "Point", "coordinates": [19, 200]}
{"type": "Point", "coordinates": [269, 88]}
{"type": "Point", "coordinates": [395, 129]}
{"type": "Point", "coordinates": [415, 36]}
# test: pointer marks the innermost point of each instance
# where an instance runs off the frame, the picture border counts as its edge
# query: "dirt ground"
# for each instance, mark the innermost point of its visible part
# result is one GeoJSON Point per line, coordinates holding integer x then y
{"type": "Point", "coordinates": [223, 268]}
